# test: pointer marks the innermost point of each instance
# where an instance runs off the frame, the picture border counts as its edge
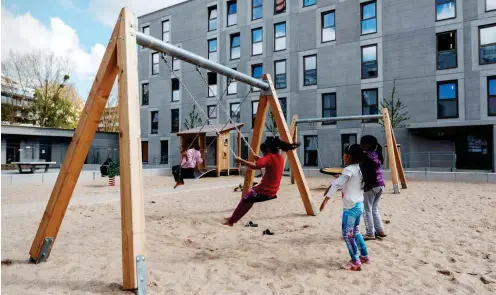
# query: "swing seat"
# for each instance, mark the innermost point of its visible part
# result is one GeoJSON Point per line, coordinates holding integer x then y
{"type": "Point", "coordinates": [331, 171]}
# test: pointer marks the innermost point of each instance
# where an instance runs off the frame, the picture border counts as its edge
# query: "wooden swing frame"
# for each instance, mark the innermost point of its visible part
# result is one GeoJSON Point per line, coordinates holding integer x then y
{"type": "Point", "coordinates": [120, 60]}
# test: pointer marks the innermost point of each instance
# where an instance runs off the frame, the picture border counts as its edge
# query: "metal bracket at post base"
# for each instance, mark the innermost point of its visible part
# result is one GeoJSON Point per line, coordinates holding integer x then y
{"type": "Point", "coordinates": [141, 275]}
{"type": "Point", "coordinates": [396, 189]}
{"type": "Point", "coordinates": [45, 251]}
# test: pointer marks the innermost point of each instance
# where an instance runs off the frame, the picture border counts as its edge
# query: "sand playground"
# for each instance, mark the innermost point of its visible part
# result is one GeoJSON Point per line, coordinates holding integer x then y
{"type": "Point", "coordinates": [441, 240]}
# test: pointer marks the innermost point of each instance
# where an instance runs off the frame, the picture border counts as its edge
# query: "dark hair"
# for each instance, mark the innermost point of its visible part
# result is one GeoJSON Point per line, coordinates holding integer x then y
{"type": "Point", "coordinates": [355, 153]}
{"type": "Point", "coordinates": [370, 144]}
{"type": "Point", "coordinates": [273, 145]}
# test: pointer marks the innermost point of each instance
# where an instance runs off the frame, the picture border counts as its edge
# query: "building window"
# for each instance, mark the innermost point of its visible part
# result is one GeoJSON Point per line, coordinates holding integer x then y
{"type": "Point", "coordinates": [329, 107]}
{"type": "Point", "coordinates": [491, 96]}
{"type": "Point", "coordinates": [328, 24]}
{"type": "Point", "coordinates": [174, 120]}
{"type": "Point", "coordinates": [155, 63]}
{"type": "Point", "coordinates": [154, 122]}
{"type": "Point", "coordinates": [164, 152]}
{"type": "Point", "coordinates": [447, 99]}
{"type": "Point", "coordinates": [254, 107]}
{"type": "Point", "coordinates": [175, 89]}
{"type": "Point", "coordinates": [257, 73]}
{"type": "Point", "coordinates": [311, 150]}
{"type": "Point", "coordinates": [370, 103]}
{"type": "Point", "coordinates": [445, 9]}
{"type": "Point", "coordinates": [369, 61]}
{"type": "Point", "coordinates": [280, 72]}
{"type": "Point", "coordinates": [310, 70]}
{"type": "Point", "coordinates": [280, 36]}
{"type": "Point", "coordinates": [166, 31]}
{"type": "Point", "coordinates": [279, 6]}
{"type": "Point", "coordinates": [212, 50]}
{"type": "Point", "coordinates": [233, 85]}
{"type": "Point", "coordinates": [212, 84]}
{"type": "Point", "coordinates": [212, 111]}
{"type": "Point", "coordinates": [232, 13]}
{"type": "Point", "coordinates": [235, 112]}
{"type": "Point", "coordinates": [369, 18]}
{"type": "Point", "coordinates": [146, 31]}
{"type": "Point", "coordinates": [490, 5]}
{"type": "Point", "coordinates": [307, 3]}
{"type": "Point", "coordinates": [284, 107]}
{"type": "Point", "coordinates": [212, 18]}
{"type": "Point", "coordinates": [256, 40]}
{"type": "Point", "coordinates": [256, 9]}
{"type": "Point", "coordinates": [487, 44]}
{"type": "Point", "coordinates": [446, 50]}
{"type": "Point", "coordinates": [175, 64]}
{"type": "Point", "coordinates": [235, 46]}
{"type": "Point", "coordinates": [145, 94]}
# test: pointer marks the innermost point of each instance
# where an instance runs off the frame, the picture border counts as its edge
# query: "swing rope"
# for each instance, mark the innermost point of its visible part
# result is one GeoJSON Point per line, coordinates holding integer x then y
{"type": "Point", "coordinates": [230, 120]}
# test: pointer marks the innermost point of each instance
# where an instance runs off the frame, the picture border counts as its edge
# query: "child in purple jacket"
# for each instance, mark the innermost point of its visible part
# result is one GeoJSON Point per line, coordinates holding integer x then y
{"type": "Point", "coordinates": [371, 167]}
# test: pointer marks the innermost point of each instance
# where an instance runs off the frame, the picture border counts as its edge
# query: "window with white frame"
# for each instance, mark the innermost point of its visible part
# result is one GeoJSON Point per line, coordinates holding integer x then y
{"type": "Point", "coordinates": [284, 107]}
{"type": "Point", "coordinates": [307, 3]}
{"type": "Point", "coordinates": [145, 94]}
{"type": "Point", "coordinates": [146, 31]}
{"type": "Point", "coordinates": [310, 70]}
{"type": "Point", "coordinates": [256, 39]}
{"type": "Point", "coordinates": [175, 89]}
{"type": "Point", "coordinates": [328, 24]}
{"type": "Point", "coordinates": [280, 74]}
{"type": "Point", "coordinates": [232, 13]}
{"type": "Point", "coordinates": [212, 50]}
{"type": "Point", "coordinates": [487, 44]}
{"type": "Point", "coordinates": [280, 36]}
{"type": "Point", "coordinates": [212, 111]}
{"type": "Point", "coordinates": [155, 63]}
{"type": "Point", "coordinates": [212, 84]}
{"type": "Point", "coordinates": [369, 17]}
{"type": "Point", "coordinates": [154, 122]}
{"type": "Point", "coordinates": [254, 107]}
{"type": "Point", "coordinates": [447, 99]}
{"type": "Point", "coordinates": [257, 73]}
{"type": "Point", "coordinates": [329, 107]}
{"type": "Point", "coordinates": [490, 5]}
{"type": "Point", "coordinates": [212, 18]}
{"type": "Point", "coordinates": [235, 46]}
{"type": "Point", "coordinates": [232, 87]}
{"type": "Point", "coordinates": [369, 61]}
{"type": "Point", "coordinates": [166, 31]}
{"type": "Point", "coordinates": [174, 120]}
{"type": "Point", "coordinates": [370, 103]}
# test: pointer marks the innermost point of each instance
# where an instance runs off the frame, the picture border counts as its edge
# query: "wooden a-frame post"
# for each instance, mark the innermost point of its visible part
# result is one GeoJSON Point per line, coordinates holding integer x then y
{"type": "Point", "coordinates": [395, 165]}
{"type": "Point", "coordinates": [120, 58]}
{"type": "Point", "coordinates": [270, 98]}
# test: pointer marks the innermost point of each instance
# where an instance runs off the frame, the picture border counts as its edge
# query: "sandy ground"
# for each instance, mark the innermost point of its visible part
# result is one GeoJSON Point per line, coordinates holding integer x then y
{"type": "Point", "coordinates": [441, 240]}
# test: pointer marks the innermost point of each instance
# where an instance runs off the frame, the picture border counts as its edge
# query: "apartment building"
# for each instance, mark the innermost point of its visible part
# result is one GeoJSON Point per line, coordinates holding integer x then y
{"type": "Point", "coordinates": [332, 58]}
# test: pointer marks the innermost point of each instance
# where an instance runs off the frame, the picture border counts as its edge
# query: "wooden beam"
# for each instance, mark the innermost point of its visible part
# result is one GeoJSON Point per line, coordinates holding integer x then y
{"type": "Point", "coordinates": [390, 150]}
{"type": "Point", "coordinates": [295, 138]}
{"type": "Point", "coordinates": [131, 169]}
{"type": "Point", "coordinates": [294, 161]}
{"type": "Point", "coordinates": [399, 164]}
{"type": "Point", "coordinates": [256, 140]}
{"type": "Point", "coordinates": [78, 149]}
{"type": "Point", "coordinates": [291, 131]}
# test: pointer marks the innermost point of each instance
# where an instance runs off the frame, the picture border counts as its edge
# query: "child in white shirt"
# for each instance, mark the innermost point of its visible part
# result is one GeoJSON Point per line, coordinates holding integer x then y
{"type": "Point", "coordinates": [351, 183]}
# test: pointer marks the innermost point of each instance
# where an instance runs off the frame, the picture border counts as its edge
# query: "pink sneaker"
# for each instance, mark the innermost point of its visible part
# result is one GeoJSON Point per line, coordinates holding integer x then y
{"type": "Point", "coordinates": [353, 266]}
{"type": "Point", "coordinates": [364, 259]}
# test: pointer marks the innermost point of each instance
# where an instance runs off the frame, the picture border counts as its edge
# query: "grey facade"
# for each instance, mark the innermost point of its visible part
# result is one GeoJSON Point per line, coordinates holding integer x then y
{"type": "Point", "coordinates": [406, 51]}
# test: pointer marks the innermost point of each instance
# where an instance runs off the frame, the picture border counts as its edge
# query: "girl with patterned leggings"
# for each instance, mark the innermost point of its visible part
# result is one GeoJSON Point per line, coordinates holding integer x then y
{"type": "Point", "coordinates": [351, 183]}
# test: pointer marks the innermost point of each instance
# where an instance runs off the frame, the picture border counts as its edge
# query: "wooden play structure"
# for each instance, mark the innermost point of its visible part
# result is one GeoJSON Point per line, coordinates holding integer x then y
{"type": "Point", "coordinates": [222, 145]}
{"type": "Point", "coordinates": [120, 61]}
{"type": "Point", "coordinates": [395, 165]}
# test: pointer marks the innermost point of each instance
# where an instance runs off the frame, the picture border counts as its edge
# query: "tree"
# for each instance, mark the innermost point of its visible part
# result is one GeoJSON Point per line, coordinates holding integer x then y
{"type": "Point", "coordinates": [397, 110]}
{"type": "Point", "coordinates": [56, 103]}
{"type": "Point", "coordinates": [193, 120]}
{"type": "Point", "coordinates": [110, 118]}
{"type": "Point", "coordinates": [271, 124]}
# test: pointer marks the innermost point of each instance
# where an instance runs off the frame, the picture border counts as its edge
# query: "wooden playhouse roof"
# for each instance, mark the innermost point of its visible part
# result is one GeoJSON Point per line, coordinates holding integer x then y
{"type": "Point", "coordinates": [210, 128]}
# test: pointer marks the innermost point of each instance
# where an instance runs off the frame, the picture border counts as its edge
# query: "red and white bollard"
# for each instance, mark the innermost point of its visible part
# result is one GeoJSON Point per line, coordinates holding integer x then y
{"type": "Point", "coordinates": [111, 181]}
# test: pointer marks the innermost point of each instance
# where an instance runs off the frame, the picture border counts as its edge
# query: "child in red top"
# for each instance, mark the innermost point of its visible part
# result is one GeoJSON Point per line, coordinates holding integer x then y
{"type": "Point", "coordinates": [273, 162]}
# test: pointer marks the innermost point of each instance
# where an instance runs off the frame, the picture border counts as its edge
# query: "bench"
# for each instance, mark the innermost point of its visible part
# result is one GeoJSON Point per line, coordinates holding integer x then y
{"type": "Point", "coordinates": [32, 166]}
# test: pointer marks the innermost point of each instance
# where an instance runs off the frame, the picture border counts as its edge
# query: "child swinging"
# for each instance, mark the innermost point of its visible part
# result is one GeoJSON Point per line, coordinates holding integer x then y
{"type": "Point", "coordinates": [273, 162]}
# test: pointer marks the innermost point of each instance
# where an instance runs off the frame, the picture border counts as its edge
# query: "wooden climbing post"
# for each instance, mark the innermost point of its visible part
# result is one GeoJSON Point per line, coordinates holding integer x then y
{"type": "Point", "coordinates": [390, 150]}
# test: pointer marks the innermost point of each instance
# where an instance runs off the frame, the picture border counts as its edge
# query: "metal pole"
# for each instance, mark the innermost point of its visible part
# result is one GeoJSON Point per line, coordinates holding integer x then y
{"type": "Point", "coordinates": [343, 118]}
{"type": "Point", "coordinates": [158, 45]}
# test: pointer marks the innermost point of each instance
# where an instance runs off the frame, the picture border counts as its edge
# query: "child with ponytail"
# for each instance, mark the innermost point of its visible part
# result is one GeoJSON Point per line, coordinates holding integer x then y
{"type": "Point", "coordinates": [374, 186]}
{"type": "Point", "coordinates": [273, 162]}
